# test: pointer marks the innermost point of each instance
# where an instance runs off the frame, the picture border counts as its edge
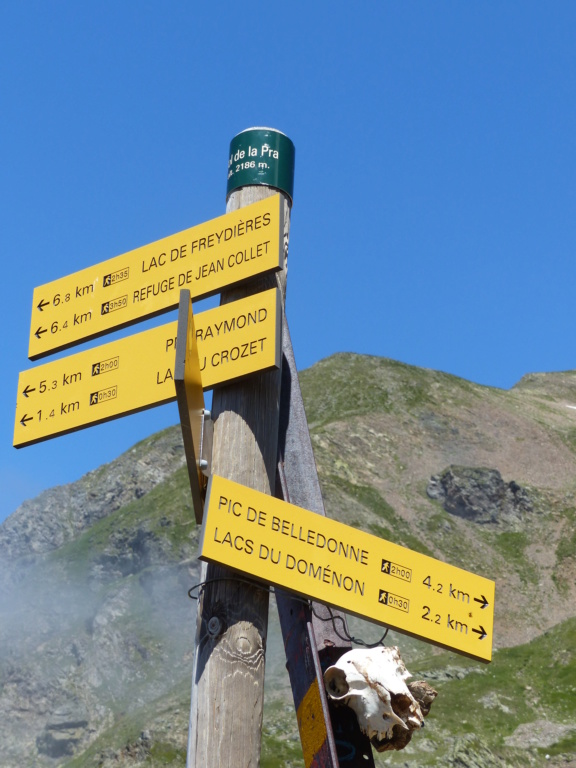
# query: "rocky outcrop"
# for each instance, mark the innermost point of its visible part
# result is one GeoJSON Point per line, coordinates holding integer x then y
{"type": "Point", "coordinates": [65, 731]}
{"type": "Point", "coordinates": [479, 495]}
{"type": "Point", "coordinates": [127, 552]}
{"type": "Point", "coordinates": [471, 752]}
{"type": "Point", "coordinates": [61, 514]}
{"type": "Point", "coordinates": [97, 631]}
{"type": "Point", "coordinates": [85, 622]}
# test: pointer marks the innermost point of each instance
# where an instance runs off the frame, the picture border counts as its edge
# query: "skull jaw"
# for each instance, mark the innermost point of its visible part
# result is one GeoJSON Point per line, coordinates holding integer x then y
{"type": "Point", "coordinates": [388, 727]}
{"type": "Point", "coordinates": [400, 738]}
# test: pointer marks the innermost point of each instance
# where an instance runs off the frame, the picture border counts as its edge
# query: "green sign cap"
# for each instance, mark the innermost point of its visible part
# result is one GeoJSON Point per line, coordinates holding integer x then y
{"type": "Point", "coordinates": [262, 156]}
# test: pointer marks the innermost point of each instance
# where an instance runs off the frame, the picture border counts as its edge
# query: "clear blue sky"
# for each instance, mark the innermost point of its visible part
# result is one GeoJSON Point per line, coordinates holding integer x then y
{"type": "Point", "coordinates": [434, 207]}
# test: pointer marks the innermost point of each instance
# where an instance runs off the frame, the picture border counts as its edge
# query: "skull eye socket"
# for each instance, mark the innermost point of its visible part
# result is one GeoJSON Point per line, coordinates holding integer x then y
{"type": "Point", "coordinates": [401, 702]}
{"type": "Point", "coordinates": [336, 683]}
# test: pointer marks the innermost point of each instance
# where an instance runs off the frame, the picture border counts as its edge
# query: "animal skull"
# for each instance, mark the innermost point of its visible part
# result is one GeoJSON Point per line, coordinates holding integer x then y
{"type": "Point", "coordinates": [372, 683]}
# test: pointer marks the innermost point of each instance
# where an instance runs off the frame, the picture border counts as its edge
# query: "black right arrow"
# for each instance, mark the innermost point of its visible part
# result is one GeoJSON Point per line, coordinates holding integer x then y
{"type": "Point", "coordinates": [481, 632]}
{"type": "Point", "coordinates": [483, 601]}
{"type": "Point", "coordinates": [42, 305]}
{"type": "Point", "coordinates": [28, 389]}
{"type": "Point", "coordinates": [24, 419]}
{"type": "Point", "coordinates": [40, 331]}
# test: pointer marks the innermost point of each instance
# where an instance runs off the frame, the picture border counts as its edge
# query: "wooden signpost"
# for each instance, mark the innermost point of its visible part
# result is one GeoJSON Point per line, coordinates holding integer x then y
{"type": "Point", "coordinates": [233, 614]}
{"type": "Point", "coordinates": [262, 516]}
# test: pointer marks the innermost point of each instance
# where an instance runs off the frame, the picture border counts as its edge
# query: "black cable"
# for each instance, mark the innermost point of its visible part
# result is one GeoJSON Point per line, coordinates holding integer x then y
{"type": "Point", "coordinates": [347, 637]}
{"type": "Point", "coordinates": [202, 584]}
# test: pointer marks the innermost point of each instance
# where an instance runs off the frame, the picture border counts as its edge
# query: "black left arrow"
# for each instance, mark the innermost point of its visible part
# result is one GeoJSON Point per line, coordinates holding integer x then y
{"type": "Point", "coordinates": [42, 305]}
{"type": "Point", "coordinates": [482, 601]}
{"type": "Point", "coordinates": [480, 632]}
{"type": "Point", "coordinates": [40, 331]}
{"type": "Point", "coordinates": [28, 389]}
{"type": "Point", "coordinates": [25, 419]}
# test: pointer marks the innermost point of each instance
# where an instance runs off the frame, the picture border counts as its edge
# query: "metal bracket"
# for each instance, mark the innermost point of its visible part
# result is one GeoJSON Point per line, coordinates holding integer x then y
{"type": "Point", "coordinates": [206, 441]}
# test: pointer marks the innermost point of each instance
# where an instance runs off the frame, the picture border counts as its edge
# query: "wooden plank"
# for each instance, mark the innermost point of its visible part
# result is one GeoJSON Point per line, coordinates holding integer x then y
{"type": "Point", "coordinates": [311, 644]}
{"type": "Point", "coordinates": [304, 670]}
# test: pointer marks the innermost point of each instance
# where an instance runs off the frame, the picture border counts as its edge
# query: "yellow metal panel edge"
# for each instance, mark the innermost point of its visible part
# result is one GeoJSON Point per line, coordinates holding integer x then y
{"type": "Point", "coordinates": [190, 398]}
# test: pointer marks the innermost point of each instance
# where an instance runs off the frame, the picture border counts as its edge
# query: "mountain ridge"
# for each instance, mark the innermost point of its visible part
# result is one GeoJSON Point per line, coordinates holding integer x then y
{"type": "Point", "coordinates": [94, 575]}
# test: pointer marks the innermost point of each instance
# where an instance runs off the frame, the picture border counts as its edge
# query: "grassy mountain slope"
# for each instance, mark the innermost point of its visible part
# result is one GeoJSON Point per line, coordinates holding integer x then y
{"type": "Point", "coordinates": [96, 628]}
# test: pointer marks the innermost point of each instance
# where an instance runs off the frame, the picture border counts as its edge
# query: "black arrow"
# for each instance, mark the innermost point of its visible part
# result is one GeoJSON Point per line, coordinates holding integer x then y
{"type": "Point", "coordinates": [28, 389]}
{"type": "Point", "coordinates": [24, 419]}
{"type": "Point", "coordinates": [42, 305]}
{"type": "Point", "coordinates": [481, 632]}
{"type": "Point", "coordinates": [40, 331]}
{"type": "Point", "coordinates": [483, 601]}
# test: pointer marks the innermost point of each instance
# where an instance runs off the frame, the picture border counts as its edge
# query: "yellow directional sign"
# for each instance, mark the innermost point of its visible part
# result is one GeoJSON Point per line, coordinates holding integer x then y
{"type": "Point", "coordinates": [240, 338]}
{"type": "Point", "coordinates": [147, 281]}
{"type": "Point", "coordinates": [190, 397]}
{"type": "Point", "coordinates": [333, 563]}
{"type": "Point", "coordinates": [137, 372]}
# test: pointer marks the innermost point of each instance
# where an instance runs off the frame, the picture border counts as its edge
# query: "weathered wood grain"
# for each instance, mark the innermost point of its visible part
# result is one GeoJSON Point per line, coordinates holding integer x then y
{"type": "Point", "coordinates": [228, 677]}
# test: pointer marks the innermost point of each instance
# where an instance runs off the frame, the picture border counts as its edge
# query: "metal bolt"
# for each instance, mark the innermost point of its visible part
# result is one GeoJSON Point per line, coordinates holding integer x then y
{"type": "Point", "coordinates": [214, 626]}
{"type": "Point", "coordinates": [203, 464]}
{"type": "Point", "coordinates": [207, 414]}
